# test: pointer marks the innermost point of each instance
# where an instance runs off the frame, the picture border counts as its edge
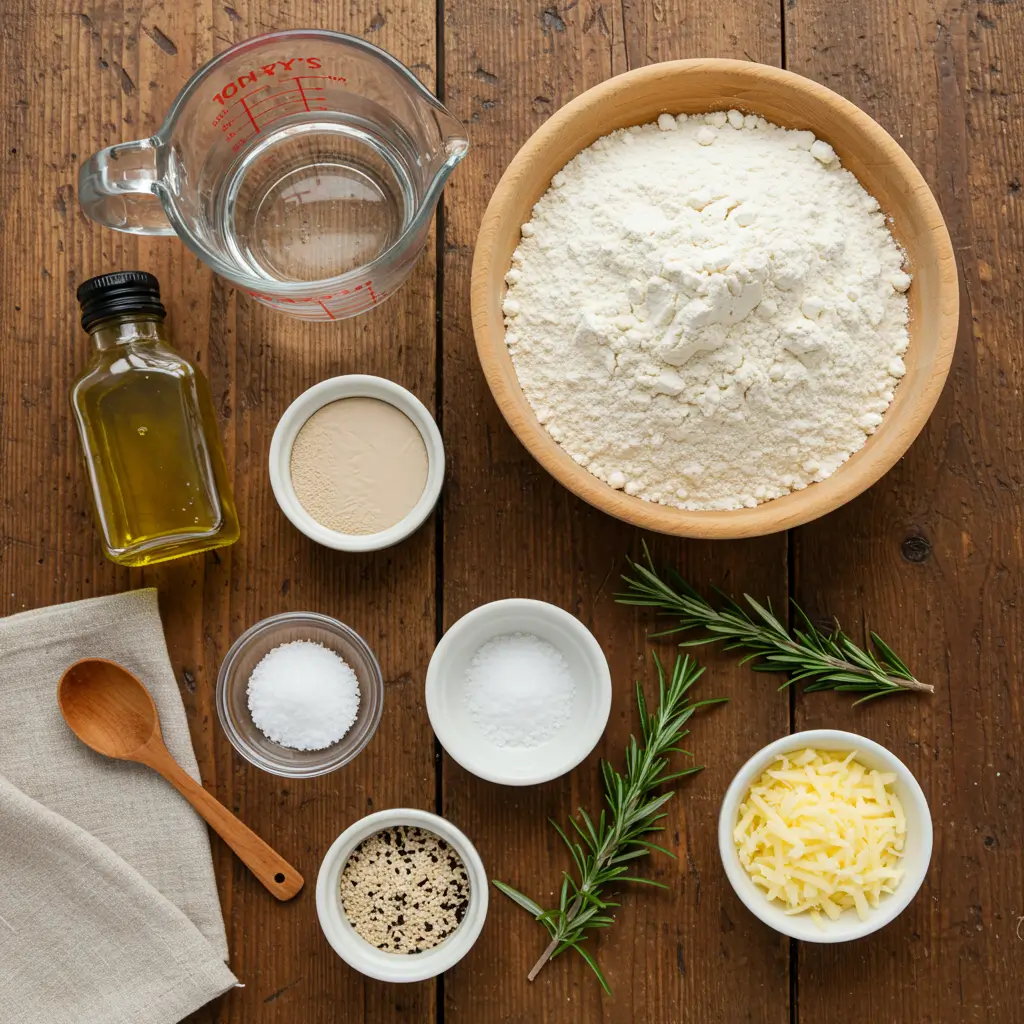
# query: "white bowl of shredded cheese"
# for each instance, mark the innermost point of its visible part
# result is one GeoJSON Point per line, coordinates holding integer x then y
{"type": "Point", "coordinates": [825, 835]}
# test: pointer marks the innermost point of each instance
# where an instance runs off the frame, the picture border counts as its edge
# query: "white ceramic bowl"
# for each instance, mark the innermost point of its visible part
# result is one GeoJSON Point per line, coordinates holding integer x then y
{"type": "Point", "coordinates": [353, 948]}
{"type": "Point", "coordinates": [463, 740]}
{"type": "Point", "coordinates": [917, 849]}
{"type": "Point", "coordinates": [332, 390]}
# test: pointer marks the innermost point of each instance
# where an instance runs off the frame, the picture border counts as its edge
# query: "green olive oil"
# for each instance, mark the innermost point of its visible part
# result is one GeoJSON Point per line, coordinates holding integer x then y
{"type": "Point", "coordinates": [148, 429]}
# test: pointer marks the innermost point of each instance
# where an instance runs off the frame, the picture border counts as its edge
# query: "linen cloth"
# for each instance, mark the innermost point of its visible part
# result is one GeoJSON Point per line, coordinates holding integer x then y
{"type": "Point", "coordinates": [108, 903]}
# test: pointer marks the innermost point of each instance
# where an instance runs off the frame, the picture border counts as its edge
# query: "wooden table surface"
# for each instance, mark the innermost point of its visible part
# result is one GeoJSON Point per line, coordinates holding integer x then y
{"type": "Point", "coordinates": [931, 556]}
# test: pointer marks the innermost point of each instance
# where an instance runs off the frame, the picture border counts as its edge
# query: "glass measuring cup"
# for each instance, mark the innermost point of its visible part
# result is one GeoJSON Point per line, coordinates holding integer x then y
{"type": "Point", "coordinates": [304, 166]}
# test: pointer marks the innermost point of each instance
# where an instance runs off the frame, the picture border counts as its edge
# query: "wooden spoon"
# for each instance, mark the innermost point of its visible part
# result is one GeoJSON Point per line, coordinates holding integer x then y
{"type": "Point", "coordinates": [111, 711]}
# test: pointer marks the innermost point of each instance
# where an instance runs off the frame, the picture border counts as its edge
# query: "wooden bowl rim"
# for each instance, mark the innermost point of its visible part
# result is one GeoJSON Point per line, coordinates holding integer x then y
{"type": "Point", "coordinates": [864, 468]}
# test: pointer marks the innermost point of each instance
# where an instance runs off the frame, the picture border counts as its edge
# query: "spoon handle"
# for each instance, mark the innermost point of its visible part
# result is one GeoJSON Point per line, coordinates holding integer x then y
{"type": "Point", "coordinates": [265, 863]}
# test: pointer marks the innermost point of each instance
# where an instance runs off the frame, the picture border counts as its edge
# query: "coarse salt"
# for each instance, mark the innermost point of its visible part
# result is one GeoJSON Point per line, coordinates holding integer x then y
{"type": "Point", "coordinates": [303, 696]}
{"type": "Point", "coordinates": [519, 690]}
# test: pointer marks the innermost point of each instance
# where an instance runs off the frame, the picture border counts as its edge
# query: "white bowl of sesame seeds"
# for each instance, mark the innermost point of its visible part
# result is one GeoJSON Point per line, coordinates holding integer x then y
{"type": "Point", "coordinates": [428, 857]}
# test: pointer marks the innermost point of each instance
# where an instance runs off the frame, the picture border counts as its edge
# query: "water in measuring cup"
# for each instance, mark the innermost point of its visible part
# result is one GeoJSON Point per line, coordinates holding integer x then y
{"type": "Point", "coordinates": [314, 201]}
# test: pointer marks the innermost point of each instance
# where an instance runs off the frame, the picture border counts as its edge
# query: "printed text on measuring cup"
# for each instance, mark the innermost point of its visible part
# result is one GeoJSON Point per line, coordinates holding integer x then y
{"type": "Point", "coordinates": [245, 111]}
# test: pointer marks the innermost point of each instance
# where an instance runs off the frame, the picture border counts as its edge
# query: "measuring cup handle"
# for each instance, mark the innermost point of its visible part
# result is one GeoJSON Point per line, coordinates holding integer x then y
{"type": "Point", "coordinates": [117, 188]}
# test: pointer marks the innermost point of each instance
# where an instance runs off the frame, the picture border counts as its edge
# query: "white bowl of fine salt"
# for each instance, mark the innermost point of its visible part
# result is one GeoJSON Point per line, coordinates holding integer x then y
{"type": "Point", "coordinates": [518, 692]}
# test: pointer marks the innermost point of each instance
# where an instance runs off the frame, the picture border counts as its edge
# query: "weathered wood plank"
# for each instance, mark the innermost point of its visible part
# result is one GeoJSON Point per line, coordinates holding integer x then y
{"type": "Point", "coordinates": [509, 530]}
{"type": "Point", "coordinates": [79, 78]}
{"type": "Point", "coordinates": [932, 555]}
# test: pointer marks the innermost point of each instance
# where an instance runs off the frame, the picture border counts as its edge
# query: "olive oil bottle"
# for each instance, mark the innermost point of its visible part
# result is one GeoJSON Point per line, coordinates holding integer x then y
{"type": "Point", "coordinates": [148, 429]}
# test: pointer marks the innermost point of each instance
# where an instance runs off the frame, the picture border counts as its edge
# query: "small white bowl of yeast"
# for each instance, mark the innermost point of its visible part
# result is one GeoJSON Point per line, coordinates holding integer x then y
{"type": "Point", "coordinates": [357, 463]}
{"type": "Point", "coordinates": [836, 830]}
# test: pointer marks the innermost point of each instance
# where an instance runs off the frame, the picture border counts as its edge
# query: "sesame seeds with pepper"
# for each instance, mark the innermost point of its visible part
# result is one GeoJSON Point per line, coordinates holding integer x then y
{"type": "Point", "coordinates": [404, 889]}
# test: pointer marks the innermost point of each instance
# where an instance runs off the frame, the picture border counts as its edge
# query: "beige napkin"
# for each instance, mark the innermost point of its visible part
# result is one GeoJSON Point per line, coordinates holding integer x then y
{"type": "Point", "coordinates": [108, 903]}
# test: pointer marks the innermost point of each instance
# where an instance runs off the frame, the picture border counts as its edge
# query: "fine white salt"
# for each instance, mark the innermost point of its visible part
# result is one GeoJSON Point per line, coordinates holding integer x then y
{"type": "Point", "coordinates": [519, 690]}
{"type": "Point", "coordinates": [303, 696]}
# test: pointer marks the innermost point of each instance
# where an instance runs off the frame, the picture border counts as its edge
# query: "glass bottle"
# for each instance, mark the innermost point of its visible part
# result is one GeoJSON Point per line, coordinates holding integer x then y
{"type": "Point", "coordinates": [148, 428]}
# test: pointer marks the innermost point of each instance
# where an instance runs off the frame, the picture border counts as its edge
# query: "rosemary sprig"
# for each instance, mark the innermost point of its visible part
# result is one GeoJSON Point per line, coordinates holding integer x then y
{"type": "Point", "coordinates": [821, 661]}
{"type": "Point", "coordinates": [604, 859]}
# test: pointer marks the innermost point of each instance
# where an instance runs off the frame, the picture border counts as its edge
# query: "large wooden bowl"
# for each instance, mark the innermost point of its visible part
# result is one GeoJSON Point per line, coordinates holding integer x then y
{"type": "Point", "coordinates": [865, 148]}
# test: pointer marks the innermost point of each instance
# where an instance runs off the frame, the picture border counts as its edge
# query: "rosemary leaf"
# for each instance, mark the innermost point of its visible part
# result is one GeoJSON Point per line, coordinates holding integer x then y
{"type": "Point", "coordinates": [524, 901]}
{"type": "Point", "coordinates": [615, 842]}
{"type": "Point", "coordinates": [820, 661]}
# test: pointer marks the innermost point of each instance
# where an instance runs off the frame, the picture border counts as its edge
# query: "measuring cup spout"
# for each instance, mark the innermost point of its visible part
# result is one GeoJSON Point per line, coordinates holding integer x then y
{"type": "Point", "coordinates": [452, 147]}
{"type": "Point", "coordinates": [454, 144]}
{"type": "Point", "coordinates": [117, 187]}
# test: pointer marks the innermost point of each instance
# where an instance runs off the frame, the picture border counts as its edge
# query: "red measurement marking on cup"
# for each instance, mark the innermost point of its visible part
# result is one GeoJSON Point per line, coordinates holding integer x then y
{"type": "Point", "coordinates": [321, 300]}
{"type": "Point", "coordinates": [241, 116]}
{"type": "Point", "coordinates": [244, 118]}
{"type": "Point", "coordinates": [252, 120]}
{"type": "Point", "coordinates": [247, 111]}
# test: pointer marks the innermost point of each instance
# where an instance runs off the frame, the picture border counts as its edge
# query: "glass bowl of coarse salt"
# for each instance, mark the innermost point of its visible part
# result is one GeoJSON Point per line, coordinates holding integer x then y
{"type": "Point", "coordinates": [299, 694]}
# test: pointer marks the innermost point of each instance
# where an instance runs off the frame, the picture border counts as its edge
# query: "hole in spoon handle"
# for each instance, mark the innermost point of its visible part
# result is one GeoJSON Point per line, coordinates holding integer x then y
{"type": "Point", "coordinates": [284, 883]}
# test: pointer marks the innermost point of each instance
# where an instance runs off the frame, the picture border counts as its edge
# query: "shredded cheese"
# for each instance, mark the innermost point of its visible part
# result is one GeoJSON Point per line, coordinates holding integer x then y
{"type": "Point", "coordinates": [822, 834]}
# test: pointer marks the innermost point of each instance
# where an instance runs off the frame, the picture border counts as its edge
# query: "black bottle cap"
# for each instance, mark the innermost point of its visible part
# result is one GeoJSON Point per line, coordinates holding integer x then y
{"type": "Point", "coordinates": [126, 291]}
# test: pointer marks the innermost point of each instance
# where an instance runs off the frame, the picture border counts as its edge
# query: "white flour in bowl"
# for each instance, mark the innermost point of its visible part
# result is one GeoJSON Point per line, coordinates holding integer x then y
{"type": "Point", "coordinates": [708, 312]}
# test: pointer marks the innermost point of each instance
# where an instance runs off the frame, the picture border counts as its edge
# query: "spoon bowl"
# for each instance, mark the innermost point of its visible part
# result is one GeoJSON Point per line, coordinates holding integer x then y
{"type": "Point", "coordinates": [108, 708]}
{"type": "Point", "coordinates": [111, 711]}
